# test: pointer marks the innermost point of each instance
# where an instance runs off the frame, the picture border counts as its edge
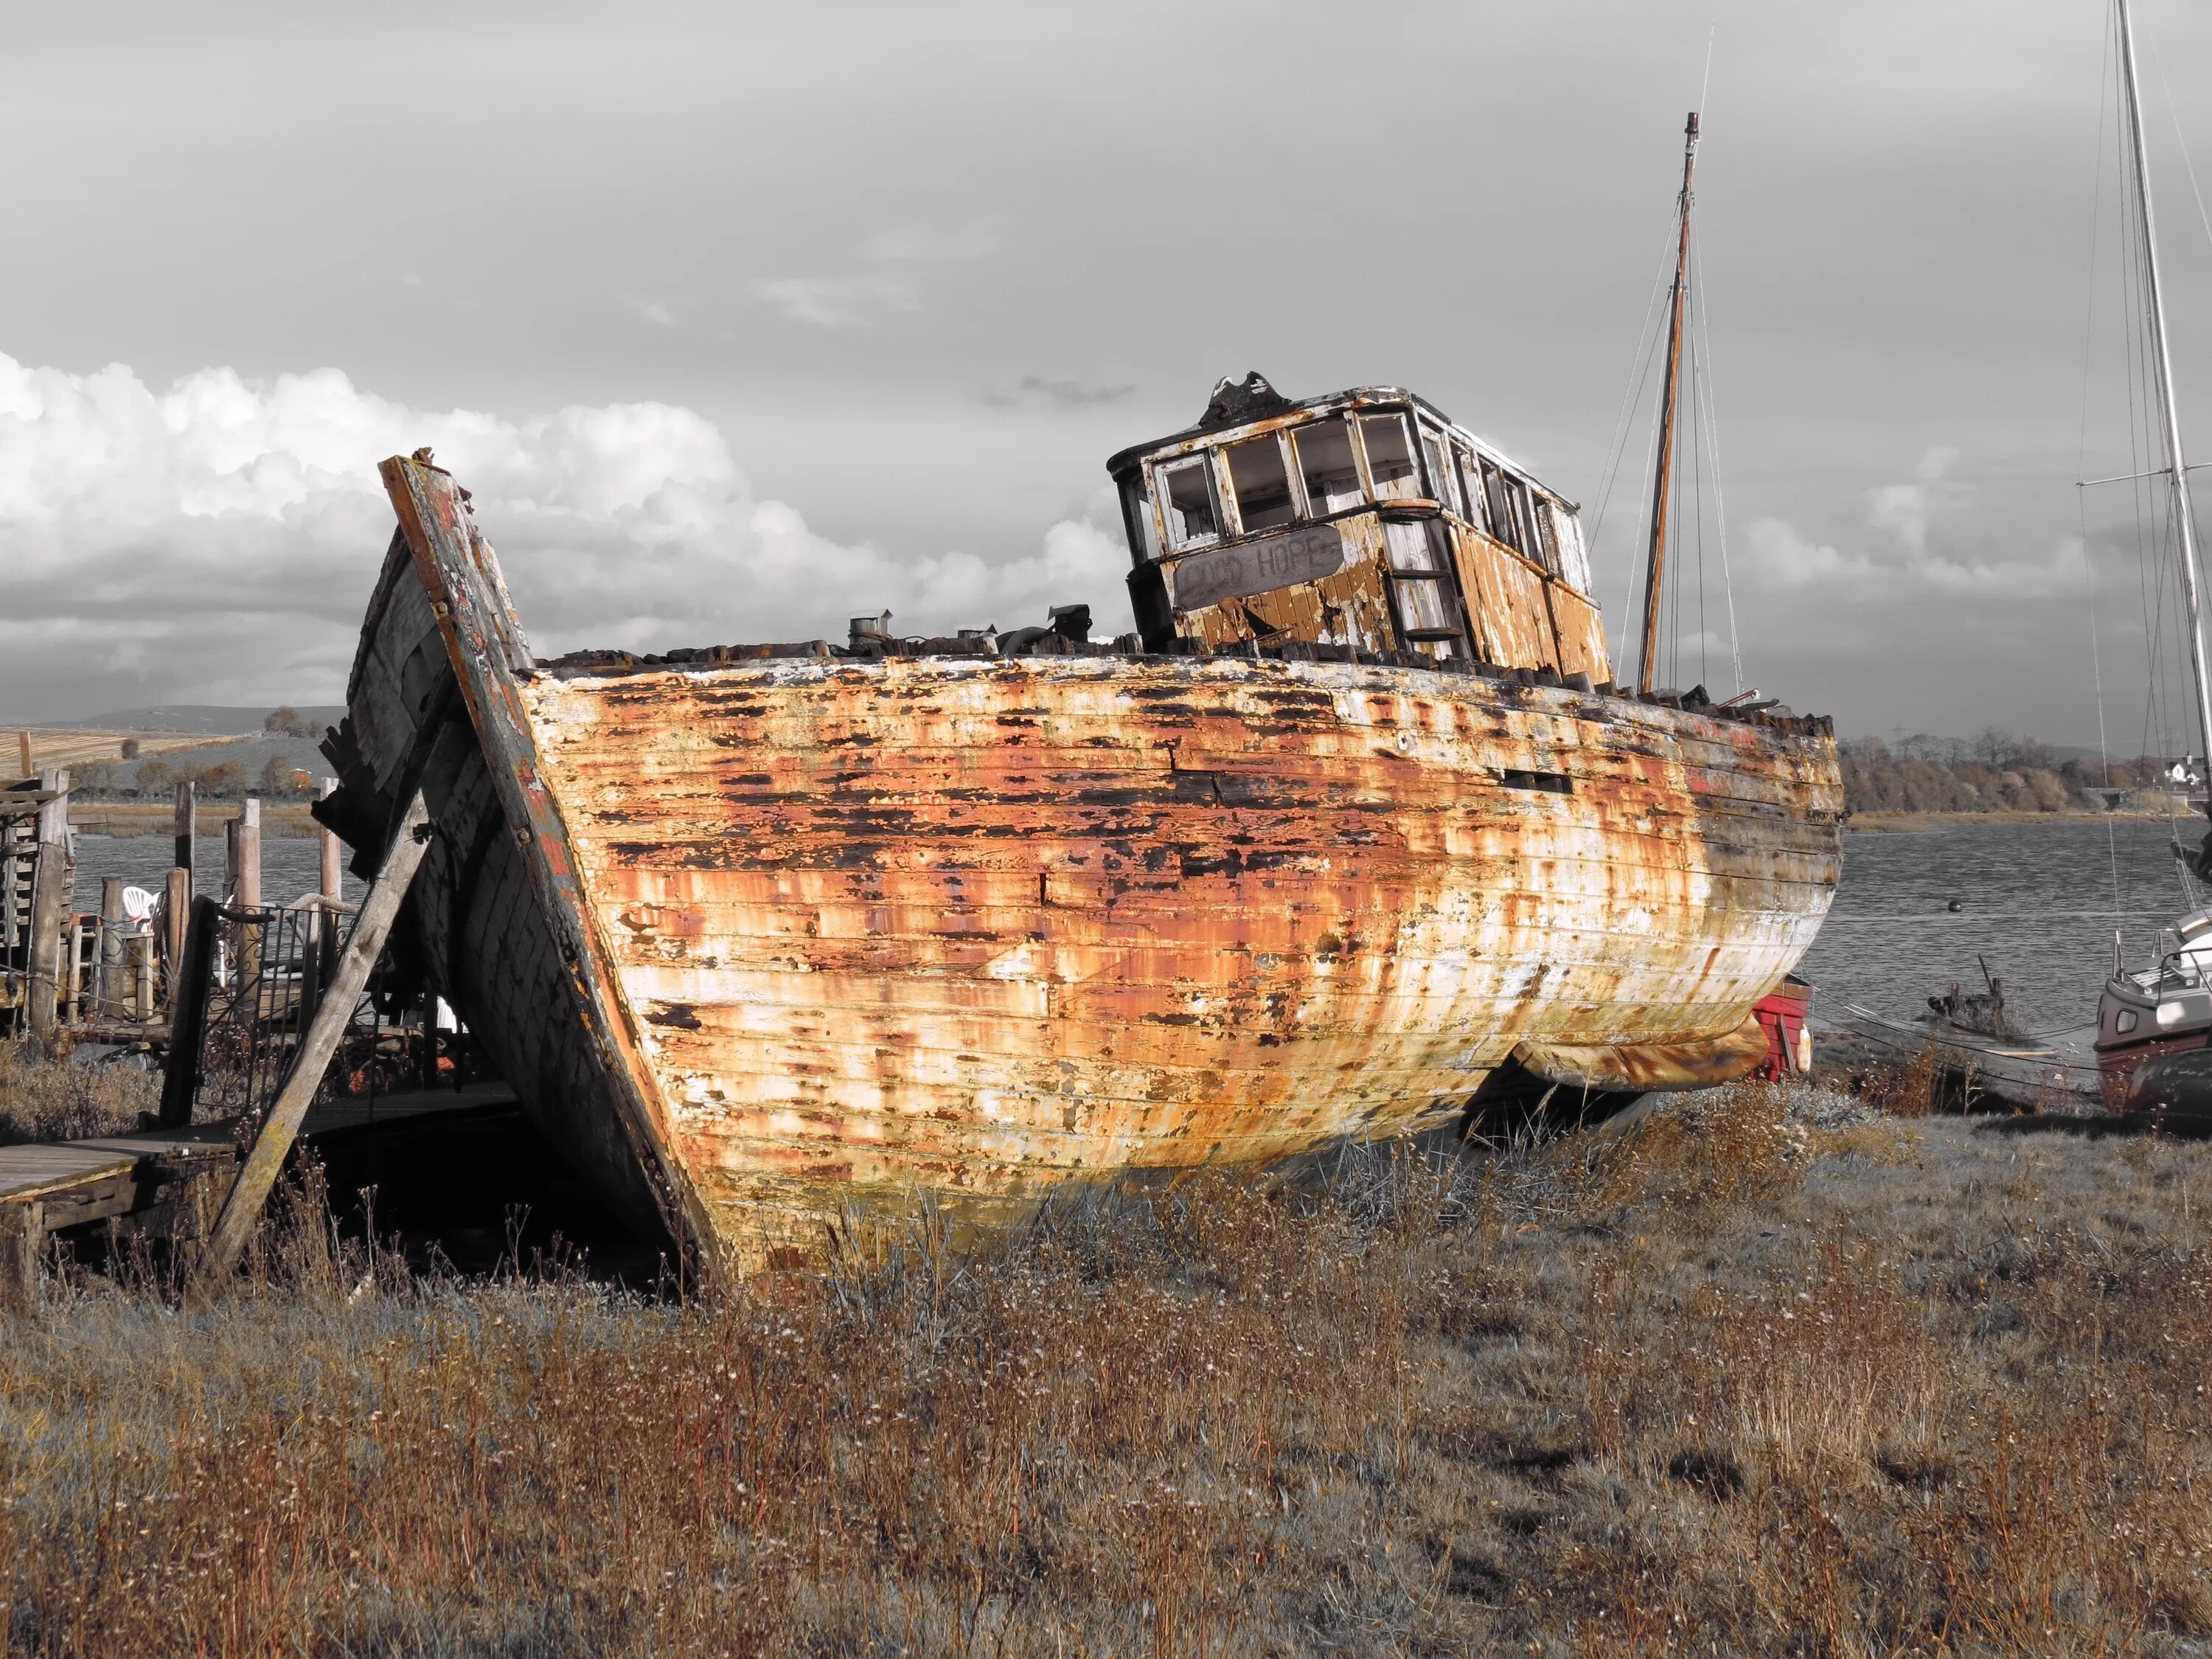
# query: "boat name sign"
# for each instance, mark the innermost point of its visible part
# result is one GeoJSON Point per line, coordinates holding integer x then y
{"type": "Point", "coordinates": [1304, 555]}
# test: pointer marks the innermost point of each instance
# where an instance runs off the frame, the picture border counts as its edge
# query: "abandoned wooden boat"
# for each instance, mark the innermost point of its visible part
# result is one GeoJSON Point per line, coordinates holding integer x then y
{"type": "Point", "coordinates": [1353, 832]}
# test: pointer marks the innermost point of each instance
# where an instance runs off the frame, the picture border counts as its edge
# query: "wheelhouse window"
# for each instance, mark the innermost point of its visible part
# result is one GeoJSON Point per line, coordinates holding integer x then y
{"type": "Point", "coordinates": [1548, 540]}
{"type": "Point", "coordinates": [1390, 458]}
{"type": "Point", "coordinates": [1500, 506]}
{"type": "Point", "coordinates": [1435, 457]}
{"type": "Point", "coordinates": [1187, 495]}
{"type": "Point", "coordinates": [1574, 559]}
{"type": "Point", "coordinates": [1470, 480]}
{"type": "Point", "coordinates": [1262, 483]}
{"type": "Point", "coordinates": [1137, 514]}
{"type": "Point", "coordinates": [1326, 466]}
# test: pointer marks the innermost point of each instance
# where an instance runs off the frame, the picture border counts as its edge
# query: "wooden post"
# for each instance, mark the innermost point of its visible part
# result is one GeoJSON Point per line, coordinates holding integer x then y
{"type": "Point", "coordinates": [249, 886]}
{"type": "Point", "coordinates": [49, 903]}
{"type": "Point", "coordinates": [249, 854]}
{"type": "Point", "coordinates": [322, 927]}
{"type": "Point", "coordinates": [333, 868]}
{"type": "Point", "coordinates": [73, 975]}
{"type": "Point", "coordinates": [50, 891]}
{"type": "Point", "coordinates": [176, 916]}
{"type": "Point", "coordinates": [23, 754]}
{"type": "Point", "coordinates": [188, 830]}
{"type": "Point", "coordinates": [188, 987]}
{"type": "Point", "coordinates": [379, 910]}
{"type": "Point", "coordinates": [145, 994]}
{"type": "Point", "coordinates": [107, 972]}
{"type": "Point", "coordinates": [22, 1242]}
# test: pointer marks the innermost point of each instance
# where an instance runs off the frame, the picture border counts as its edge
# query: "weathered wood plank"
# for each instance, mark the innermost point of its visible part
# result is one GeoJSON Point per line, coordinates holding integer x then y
{"type": "Point", "coordinates": [358, 960]}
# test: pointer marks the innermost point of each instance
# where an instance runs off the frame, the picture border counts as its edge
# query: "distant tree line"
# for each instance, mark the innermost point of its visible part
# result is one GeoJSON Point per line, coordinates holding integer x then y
{"type": "Point", "coordinates": [157, 780]}
{"type": "Point", "coordinates": [1991, 772]}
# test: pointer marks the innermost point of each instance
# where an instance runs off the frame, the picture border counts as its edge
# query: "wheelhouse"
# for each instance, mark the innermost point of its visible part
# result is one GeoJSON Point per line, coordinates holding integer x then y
{"type": "Point", "coordinates": [1365, 520]}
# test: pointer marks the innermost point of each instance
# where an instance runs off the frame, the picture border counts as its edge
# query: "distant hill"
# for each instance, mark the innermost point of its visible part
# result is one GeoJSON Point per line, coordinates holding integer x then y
{"type": "Point", "coordinates": [210, 718]}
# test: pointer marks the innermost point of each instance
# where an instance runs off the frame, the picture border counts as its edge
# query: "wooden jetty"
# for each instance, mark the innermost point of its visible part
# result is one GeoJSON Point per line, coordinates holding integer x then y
{"type": "Point", "coordinates": [167, 1184]}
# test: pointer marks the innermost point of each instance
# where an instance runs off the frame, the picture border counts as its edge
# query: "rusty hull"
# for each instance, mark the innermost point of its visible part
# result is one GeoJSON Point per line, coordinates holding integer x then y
{"type": "Point", "coordinates": [974, 927]}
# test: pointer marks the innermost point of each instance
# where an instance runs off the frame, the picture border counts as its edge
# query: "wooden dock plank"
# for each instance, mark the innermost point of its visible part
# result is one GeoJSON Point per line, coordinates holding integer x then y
{"type": "Point", "coordinates": [38, 1171]}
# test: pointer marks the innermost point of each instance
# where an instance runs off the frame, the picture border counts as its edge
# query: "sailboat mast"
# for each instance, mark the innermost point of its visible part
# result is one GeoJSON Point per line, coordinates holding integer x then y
{"type": "Point", "coordinates": [1655, 569]}
{"type": "Point", "coordinates": [2162, 364]}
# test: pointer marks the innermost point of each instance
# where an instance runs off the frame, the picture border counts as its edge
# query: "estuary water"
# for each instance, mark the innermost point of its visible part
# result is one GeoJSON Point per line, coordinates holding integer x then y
{"type": "Point", "coordinates": [2038, 901]}
{"type": "Point", "coordinates": [290, 866]}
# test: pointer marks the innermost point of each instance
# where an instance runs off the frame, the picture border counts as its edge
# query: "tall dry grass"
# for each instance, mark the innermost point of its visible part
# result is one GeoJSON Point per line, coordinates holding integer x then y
{"type": "Point", "coordinates": [1760, 1376]}
{"type": "Point", "coordinates": [43, 1099]}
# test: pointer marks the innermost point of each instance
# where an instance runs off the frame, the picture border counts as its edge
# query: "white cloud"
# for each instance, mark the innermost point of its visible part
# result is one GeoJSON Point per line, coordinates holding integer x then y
{"type": "Point", "coordinates": [1905, 510]}
{"type": "Point", "coordinates": [931, 245]}
{"type": "Point", "coordinates": [1782, 557]}
{"type": "Point", "coordinates": [216, 541]}
{"type": "Point", "coordinates": [869, 296]}
{"type": "Point", "coordinates": [839, 301]}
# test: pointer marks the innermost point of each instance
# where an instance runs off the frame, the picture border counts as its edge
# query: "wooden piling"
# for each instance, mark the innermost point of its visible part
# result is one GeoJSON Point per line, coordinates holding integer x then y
{"type": "Point", "coordinates": [176, 917]}
{"type": "Point", "coordinates": [249, 854]}
{"type": "Point", "coordinates": [52, 884]}
{"type": "Point", "coordinates": [249, 885]}
{"type": "Point", "coordinates": [189, 987]}
{"type": "Point", "coordinates": [333, 867]}
{"type": "Point", "coordinates": [108, 980]}
{"type": "Point", "coordinates": [188, 830]}
{"type": "Point", "coordinates": [23, 754]}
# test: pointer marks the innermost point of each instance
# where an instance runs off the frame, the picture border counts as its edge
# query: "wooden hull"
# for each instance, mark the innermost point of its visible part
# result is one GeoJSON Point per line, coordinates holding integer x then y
{"type": "Point", "coordinates": [855, 932]}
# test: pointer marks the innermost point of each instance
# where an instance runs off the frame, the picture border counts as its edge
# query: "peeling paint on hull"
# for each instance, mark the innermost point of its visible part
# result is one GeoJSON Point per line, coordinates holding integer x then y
{"type": "Point", "coordinates": [976, 927]}
{"type": "Point", "coordinates": [767, 943]}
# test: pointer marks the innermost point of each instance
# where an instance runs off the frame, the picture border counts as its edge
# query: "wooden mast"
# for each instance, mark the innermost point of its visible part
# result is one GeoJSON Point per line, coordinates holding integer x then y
{"type": "Point", "coordinates": [2184, 519]}
{"type": "Point", "coordinates": [1655, 568]}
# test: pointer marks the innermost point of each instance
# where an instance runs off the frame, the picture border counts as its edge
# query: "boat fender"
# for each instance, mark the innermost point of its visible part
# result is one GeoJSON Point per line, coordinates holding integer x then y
{"type": "Point", "coordinates": [1698, 1063]}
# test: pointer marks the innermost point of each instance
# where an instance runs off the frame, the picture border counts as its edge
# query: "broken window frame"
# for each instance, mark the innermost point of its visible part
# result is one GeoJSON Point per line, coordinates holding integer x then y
{"type": "Point", "coordinates": [1294, 496]}
{"type": "Point", "coordinates": [1435, 445]}
{"type": "Point", "coordinates": [1548, 536]}
{"type": "Point", "coordinates": [1320, 507]}
{"type": "Point", "coordinates": [1467, 461]}
{"type": "Point", "coordinates": [1362, 419]}
{"type": "Point", "coordinates": [1498, 505]}
{"type": "Point", "coordinates": [1200, 460]}
{"type": "Point", "coordinates": [1574, 556]}
{"type": "Point", "coordinates": [1138, 522]}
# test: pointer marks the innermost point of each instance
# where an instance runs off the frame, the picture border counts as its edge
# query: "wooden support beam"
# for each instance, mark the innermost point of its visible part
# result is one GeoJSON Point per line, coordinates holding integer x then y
{"type": "Point", "coordinates": [379, 910]}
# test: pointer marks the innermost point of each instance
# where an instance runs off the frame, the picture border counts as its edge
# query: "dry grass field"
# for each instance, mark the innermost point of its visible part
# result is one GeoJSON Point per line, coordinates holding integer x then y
{"type": "Point", "coordinates": [1771, 1374]}
{"type": "Point", "coordinates": [59, 746]}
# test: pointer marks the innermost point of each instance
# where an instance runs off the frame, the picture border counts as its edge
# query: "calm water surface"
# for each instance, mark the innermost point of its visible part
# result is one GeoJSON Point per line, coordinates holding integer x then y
{"type": "Point", "coordinates": [2039, 904]}
{"type": "Point", "coordinates": [290, 866]}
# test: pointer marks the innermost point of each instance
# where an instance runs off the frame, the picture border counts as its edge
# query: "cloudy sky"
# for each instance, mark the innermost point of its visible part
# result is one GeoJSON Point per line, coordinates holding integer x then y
{"type": "Point", "coordinates": [739, 320]}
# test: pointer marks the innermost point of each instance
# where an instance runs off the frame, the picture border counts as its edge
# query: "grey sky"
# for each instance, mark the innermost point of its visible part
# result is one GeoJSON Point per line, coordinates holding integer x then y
{"type": "Point", "coordinates": [917, 270]}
